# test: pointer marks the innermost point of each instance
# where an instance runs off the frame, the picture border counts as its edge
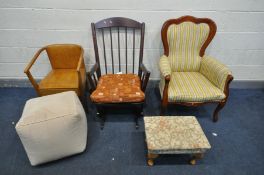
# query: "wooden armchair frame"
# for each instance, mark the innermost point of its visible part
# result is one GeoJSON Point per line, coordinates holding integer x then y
{"type": "Point", "coordinates": [82, 85]}
{"type": "Point", "coordinates": [95, 72]}
{"type": "Point", "coordinates": [213, 28]}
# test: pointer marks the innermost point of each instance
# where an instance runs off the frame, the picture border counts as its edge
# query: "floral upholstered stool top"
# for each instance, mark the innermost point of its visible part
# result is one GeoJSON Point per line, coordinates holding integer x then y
{"type": "Point", "coordinates": [174, 135]}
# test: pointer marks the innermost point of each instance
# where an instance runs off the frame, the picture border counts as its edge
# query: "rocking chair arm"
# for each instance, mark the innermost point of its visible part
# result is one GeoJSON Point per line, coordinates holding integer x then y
{"type": "Point", "coordinates": [92, 81]}
{"type": "Point", "coordinates": [144, 77]}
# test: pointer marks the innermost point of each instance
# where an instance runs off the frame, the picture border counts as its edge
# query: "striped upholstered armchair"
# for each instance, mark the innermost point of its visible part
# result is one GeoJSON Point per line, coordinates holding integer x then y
{"type": "Point", "coordinates": [188, 76]}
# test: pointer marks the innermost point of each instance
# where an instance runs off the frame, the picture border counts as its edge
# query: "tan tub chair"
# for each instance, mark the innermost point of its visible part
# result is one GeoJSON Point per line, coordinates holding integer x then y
{"type": "Point", "coordinates": [68, 70]}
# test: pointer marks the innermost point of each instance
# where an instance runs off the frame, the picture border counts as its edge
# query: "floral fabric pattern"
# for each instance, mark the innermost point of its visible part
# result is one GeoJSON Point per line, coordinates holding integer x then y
{"type": "Point", "coordinates": [118, 88]}
{"type": "Point", "coordinates": [175, 135]}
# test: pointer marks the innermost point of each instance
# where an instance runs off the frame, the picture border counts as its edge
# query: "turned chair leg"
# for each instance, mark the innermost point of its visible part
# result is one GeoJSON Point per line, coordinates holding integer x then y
{"type": "Point", "coordinates": [163, 109]}
{"type": "Point", "coordinates": [196, 157]}
{"type": "Point", "coordinates": [101, 116]}
{"type": "Point", "coordinates": [139, 114]}
{"type": "Point", "coordinates": [84, 102]}
{"type": "Point", "coordinates": [151, 158]}
{"type": "Point", "coordinates": [217, 109]}
{"type": "Point", "coordinates": [136, 121]}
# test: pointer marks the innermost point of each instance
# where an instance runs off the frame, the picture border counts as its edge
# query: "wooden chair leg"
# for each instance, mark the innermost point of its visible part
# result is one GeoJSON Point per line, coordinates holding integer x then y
{"type": "Point", "coordinates": [83, 99]}
{"type": "Point", "coordinates": [217, 109]}
{"type": "Point", "coordinates": [163, 109]}
{"type": "Point", "coordinates": [196, 157]}
{"type": "Point", "coordinates": [136, 121]}
{"type": "Point", "coordinates": [101, 116]}
{"type": "Point", "coordinates": [151, 158]}
{"type": "Point", "coordinates": [139, 114]}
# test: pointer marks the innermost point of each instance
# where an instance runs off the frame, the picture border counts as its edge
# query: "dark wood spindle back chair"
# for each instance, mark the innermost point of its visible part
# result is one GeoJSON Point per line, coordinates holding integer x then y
{"type": "Point", "coordinates": [107, 28]}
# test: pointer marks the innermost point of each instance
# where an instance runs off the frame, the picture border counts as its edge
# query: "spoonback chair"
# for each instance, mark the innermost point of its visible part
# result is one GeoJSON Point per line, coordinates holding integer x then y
{"type": "Point", "coordinates": [120, 42]}
{"type": "Point", "coordinates": [188, 76]}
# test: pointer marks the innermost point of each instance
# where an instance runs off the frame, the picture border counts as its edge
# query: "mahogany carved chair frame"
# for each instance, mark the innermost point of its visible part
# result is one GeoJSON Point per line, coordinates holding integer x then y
{"type": "Point", "coordinates": [111, 25]}
{"type": "Point", "coordinates": [213, 28]}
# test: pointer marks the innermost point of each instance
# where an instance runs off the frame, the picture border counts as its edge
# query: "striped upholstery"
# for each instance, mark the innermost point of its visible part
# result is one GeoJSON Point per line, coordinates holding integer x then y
{"type": "Point", "coordinates": [185, 41]}
{"type": "Point", "coordinates": [164, 65]}
{"type": "Point", "coordinates": [191, 87]}
{"type": "Point", "coordinates": [214, 71]}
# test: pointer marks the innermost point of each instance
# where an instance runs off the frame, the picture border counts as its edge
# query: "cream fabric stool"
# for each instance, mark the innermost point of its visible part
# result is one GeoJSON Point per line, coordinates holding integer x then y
{"type": "Point", "coordinates": [53, 127]}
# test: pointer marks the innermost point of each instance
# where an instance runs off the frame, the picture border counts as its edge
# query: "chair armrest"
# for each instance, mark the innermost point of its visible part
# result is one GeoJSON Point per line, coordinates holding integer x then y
{"type": "Point", "coordinates": [164, 66]}
{"type": "Point", "coordinates": [30, 64]}
{"type": "Point", "coordinates": [215, 71]}
{"type": "Point", "coordinates": [81, 60]}
{"type": "Point", "coordinates": [92, 80]}
{"type": "Point", "coordinates": [144, 76]}
{"type": "Point", "coordinates": [27, 70]}
{"type": "Point", "coordinates": [165, 70]}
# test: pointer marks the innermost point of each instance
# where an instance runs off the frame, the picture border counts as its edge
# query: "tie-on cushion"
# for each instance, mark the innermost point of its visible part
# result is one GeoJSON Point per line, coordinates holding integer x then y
{"type": "Point", "coordinates": [118, 88]}
{"type": "Point", "coordinates": [191, 87]}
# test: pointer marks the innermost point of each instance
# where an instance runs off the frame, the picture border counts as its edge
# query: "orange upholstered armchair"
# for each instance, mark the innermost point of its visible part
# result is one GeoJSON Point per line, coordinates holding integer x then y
{"type": "Point", "coordinates": [68, 70]}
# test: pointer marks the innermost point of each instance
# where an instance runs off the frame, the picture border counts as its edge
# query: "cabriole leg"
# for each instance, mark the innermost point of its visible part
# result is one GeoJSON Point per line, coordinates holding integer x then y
{"type": "Point", "coordinates": [218, 108]}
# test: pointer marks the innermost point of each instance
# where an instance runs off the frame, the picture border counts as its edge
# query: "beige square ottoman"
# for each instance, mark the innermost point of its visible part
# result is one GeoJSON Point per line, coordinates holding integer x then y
{"type": "Point", "coordinates": [53, 127]}
{"type": "Point", "coordinates": [174, 135]}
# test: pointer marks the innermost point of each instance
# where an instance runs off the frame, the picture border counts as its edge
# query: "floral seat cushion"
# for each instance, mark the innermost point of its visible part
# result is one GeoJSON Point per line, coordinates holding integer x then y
{"type": "Point", "coordinates": [118, 88]}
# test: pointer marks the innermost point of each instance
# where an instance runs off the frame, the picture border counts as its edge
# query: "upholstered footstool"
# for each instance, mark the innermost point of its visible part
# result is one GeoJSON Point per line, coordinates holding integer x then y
{"type": "Point", "coordinates": [53, 127]}
{"type": "Point", "coordinates": [174, 135]}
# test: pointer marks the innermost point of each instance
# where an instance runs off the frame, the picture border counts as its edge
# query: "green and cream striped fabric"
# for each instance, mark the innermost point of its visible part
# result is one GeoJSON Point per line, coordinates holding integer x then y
{"type": "Point", "coordinates": [191, 87]}
{"type": "Point", "coordinates": [185, 41]}
{"type": "Point", "coordinates": [215, 71]}
{"type": "Point", "coordinates": [164, 66]}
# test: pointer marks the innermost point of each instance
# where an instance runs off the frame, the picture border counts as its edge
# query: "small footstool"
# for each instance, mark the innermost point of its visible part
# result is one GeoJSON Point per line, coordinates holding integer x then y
{"type": "Point", "coordinates": [174, 135]}
{"type": "Point", "coordinates": [53, 127]}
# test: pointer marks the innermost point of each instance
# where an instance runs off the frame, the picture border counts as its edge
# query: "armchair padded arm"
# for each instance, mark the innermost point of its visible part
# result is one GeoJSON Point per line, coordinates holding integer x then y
{"type": "Point", "coordinates": [215, 71]}
{"type": "Point", "coordinates": [164, 65]}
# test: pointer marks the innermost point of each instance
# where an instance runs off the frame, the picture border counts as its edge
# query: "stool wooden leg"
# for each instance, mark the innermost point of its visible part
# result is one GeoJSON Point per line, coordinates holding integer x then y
{"type": "Point", "coordinates": [150, 158]}
{"type": "Point", "coordinates": [196, 157]}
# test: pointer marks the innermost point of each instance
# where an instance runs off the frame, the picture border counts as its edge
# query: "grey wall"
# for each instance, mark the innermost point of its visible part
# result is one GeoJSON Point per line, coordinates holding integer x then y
{"type": "Point", "coordinates": [27, 25]}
